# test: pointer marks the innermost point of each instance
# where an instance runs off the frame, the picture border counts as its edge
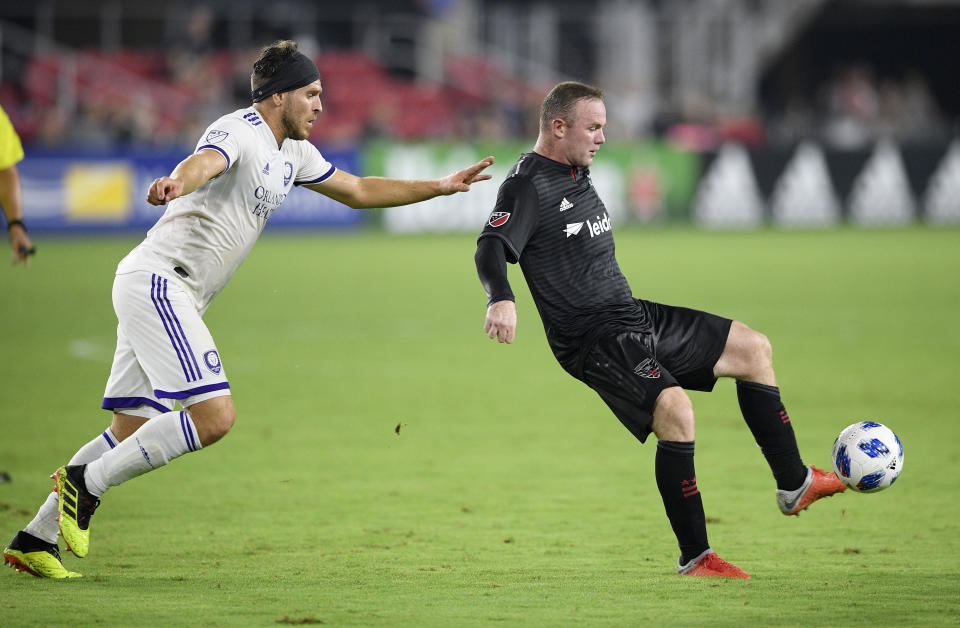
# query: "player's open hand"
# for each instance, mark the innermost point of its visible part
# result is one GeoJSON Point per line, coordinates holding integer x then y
{"type": "Point", "coordinates": [501, 323]}
{"type": "Point", "coordinates": [164, 190]}
{"type": "Point", "coordinates": [460, 181]}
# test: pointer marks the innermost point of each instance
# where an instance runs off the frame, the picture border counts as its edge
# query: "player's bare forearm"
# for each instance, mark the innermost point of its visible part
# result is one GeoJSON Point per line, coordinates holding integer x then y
{"type": "Point", "coordinates": [369, 192]}
{"type": "Point", "coordinates": [10, 194]}
{"type": "Point", "coordinates": [190, 174]}
{"type": "Point", "coordinates": [383, 192]}
{"type": "Point", "coordinates": [11, 198]}
{"type": "Point", "coordinates": [501, 321]}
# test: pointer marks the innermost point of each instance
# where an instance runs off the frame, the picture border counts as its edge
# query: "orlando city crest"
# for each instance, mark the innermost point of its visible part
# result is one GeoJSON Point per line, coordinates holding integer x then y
{"type": "Point", "coordinates": [212, 360]}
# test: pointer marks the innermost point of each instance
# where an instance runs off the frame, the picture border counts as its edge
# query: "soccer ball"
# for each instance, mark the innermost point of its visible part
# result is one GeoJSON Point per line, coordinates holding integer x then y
{"type": "Point", "coordinates": [867, 457]}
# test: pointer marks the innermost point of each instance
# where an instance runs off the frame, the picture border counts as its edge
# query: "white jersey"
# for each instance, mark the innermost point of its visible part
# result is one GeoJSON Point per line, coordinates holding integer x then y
{"type": "Point", "coordinates": [207, 234]}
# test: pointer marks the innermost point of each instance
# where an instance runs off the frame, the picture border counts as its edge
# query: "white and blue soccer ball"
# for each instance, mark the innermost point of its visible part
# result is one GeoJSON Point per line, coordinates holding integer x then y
{"type": "Point", "coordinates": [867, 456]}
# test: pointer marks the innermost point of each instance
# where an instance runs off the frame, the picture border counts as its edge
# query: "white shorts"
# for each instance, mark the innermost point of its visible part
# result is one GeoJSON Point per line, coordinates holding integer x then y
{"type": "Point", "coordinates": [164, 351]}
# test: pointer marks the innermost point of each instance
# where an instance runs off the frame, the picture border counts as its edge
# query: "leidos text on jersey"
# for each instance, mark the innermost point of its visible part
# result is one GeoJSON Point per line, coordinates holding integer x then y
{"type": "Point", "coordinates": [600, 226]}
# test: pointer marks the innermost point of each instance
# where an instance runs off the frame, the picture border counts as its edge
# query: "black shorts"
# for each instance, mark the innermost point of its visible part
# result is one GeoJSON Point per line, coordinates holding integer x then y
{"type": "Point", "coordinates": [629, 369]}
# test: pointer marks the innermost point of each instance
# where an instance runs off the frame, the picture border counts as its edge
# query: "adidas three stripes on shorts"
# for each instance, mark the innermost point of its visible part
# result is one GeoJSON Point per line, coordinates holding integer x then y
{"type": "Point", "coordinates": [164, 351]}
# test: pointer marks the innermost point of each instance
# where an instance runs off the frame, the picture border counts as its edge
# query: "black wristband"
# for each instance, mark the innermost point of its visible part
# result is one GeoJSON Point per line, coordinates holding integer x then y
{"type": "Point", "coordinates": [11, 223]}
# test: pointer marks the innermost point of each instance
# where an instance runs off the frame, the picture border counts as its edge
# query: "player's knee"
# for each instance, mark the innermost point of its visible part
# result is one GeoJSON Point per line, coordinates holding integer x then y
{"type": "Point", "coordinates": [213, 418]}
{"type": "Point", "coordinates": [761, 349]}
{"type": "Point", "coordinates": [673, 417]}
{"type": "Point", "coordinates": [751, 351]}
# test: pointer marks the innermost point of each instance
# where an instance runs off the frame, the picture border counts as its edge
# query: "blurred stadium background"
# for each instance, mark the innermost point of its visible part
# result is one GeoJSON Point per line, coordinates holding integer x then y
{"type": "Point", "coordinates": [739, 113]}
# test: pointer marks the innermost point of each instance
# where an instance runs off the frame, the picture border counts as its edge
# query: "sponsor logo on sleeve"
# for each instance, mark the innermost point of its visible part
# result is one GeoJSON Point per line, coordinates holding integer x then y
{"type": "Point", "coordinates": [215, 136]}
{"type": "Point", "coordinates": [498, 219]}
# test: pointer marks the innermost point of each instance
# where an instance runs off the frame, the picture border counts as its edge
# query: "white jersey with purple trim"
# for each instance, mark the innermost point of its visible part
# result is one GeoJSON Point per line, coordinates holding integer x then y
{"type": "Point", "coordinates": [208, 233]}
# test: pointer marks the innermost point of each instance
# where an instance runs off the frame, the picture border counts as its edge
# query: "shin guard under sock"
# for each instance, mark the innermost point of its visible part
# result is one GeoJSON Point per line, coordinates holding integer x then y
{"type": "Point", "coordinates": [677, 481]}
{"type": "Point", "coordinates": [768, 420]}
{"type": "Point", "coordinates": [157, 442]}
{"type": "Point", "coordinates": [45, 525]}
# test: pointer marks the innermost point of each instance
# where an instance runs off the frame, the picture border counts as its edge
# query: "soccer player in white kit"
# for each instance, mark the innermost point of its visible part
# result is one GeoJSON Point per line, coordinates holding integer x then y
{"type": "Point", "coordinates": [218, 202]}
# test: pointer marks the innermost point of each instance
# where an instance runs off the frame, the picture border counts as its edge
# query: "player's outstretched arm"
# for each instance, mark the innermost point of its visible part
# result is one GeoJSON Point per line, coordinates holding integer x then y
{"type": "Point", "coordinates": [190, 174]}
{"type": "Point", "coordinates": [367, 192]}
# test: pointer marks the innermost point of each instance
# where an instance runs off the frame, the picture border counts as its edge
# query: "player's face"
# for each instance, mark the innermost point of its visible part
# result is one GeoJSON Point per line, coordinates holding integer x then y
{"type": "Point", "coordinates": [583, 138]}
{"type": "Point", "coordinates": [300, 110]}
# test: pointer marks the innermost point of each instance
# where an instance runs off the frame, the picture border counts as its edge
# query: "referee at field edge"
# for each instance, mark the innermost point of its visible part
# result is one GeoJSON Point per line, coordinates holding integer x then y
{"type": "Point", "coordinates": [637, 355]}
{"type": "Point", "coordinates": [11, 151]}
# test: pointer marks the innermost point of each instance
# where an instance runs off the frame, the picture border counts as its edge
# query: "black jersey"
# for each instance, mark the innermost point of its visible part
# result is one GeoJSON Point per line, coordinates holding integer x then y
{"type": "Point", "coordinates": [554, 224]}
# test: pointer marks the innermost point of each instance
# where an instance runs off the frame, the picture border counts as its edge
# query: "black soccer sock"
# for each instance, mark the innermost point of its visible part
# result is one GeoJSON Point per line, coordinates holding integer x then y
{"type": "Point", "coordinates": [768, 420]}
{"type": "Point", "coordinates": [677, 481]}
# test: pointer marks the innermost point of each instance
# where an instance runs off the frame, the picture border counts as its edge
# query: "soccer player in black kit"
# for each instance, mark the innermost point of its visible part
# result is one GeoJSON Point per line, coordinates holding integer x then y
{"type": "Point", "coordinates": [637, 355]}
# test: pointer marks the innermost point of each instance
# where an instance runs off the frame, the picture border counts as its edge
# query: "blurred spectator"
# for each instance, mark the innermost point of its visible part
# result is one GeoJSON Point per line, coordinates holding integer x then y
{"type": "Point", "coordinates": [852, 108]}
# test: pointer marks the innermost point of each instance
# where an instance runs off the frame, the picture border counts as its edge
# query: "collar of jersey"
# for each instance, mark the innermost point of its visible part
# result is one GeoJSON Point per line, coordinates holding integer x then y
{"type": "Point", "coordinates": [266, 133]}
{"type": "Point", "coordinates": [579, 171]}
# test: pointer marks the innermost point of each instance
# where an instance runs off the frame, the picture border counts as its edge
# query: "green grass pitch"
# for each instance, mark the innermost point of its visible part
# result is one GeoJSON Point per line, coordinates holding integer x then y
{"type": "Point", "coordinates": [391, 466]}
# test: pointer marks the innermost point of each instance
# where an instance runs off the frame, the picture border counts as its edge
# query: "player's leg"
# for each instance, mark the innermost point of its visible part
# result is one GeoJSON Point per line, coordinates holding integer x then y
{"type": "Point", "coordinates": [673, 423]}
{"type": "Point", "coordinates": [160, 440]}
{"type": "Point", "coordinates": [748, 357]}
{"type": "Point", "coordinates": [646, 397]}
{"type": "Point", "coordinates": [34, 549]}
{"type": "Point", "coordinates": [153, 445]}
{"type": "Point", "coordinates": [165, 354]}
{"type": "Point", "coordinates": [177, 361]}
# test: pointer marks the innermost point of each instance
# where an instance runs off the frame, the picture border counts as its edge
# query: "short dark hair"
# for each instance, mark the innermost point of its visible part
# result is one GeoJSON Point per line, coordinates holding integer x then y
{"type": "Point", "coordinates": [271, 57]}
{"type": "Point", "coordinates": [562, 99]}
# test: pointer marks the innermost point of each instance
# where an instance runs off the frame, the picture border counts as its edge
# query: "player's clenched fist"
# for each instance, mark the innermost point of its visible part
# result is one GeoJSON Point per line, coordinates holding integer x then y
{"type": "Point", "coordinates": [163, 190]}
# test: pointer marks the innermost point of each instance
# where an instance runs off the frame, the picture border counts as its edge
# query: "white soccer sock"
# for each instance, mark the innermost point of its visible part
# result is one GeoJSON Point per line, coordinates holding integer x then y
{"type": "Point", "coordinates": [157, 442]}
{"type": "Point", "coordinates": [44, 525]}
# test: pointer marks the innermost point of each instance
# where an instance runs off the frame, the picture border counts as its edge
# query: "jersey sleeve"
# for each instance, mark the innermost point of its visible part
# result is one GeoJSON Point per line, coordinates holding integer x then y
{"type": "Point", "coordinates": [514, 217]}
{"type": "Point", "coordinates": [11, 150]}
{"type": "Point", "coordinates": [229, 137]}
{"type": "Point", "coordinates": [314, 168]}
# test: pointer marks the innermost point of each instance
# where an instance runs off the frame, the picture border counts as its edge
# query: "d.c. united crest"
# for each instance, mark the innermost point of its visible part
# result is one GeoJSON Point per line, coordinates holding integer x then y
{"type": "Point", "coordinates": [498, 219]}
